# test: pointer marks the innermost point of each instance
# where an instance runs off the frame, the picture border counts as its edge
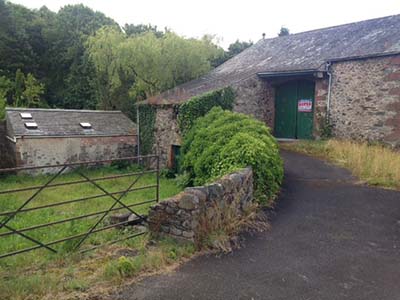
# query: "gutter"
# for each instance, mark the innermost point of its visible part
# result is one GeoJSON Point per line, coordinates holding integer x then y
{"type": "Point", "coordinates": [287, 73]}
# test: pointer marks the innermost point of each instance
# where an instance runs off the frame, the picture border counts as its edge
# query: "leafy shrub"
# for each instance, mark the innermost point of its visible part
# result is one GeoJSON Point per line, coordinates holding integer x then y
{"type": "Point", "coordinates": [198, 106]}
{"type": "Point", "coordinates": [223, 141]}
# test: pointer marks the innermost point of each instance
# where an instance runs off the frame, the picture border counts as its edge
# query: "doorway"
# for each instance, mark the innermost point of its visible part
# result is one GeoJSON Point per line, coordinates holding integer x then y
{"type": "Point", "coordinates": [294, 109]}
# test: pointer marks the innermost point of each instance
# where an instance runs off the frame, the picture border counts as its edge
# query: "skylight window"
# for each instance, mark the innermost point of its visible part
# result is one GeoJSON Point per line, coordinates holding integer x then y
{"type": "Point", "coordinates": [31, 125]}
{"type": "Point", "coordinates": [86, 125]}
{"type": "Point", "coordinates": [26, 115]}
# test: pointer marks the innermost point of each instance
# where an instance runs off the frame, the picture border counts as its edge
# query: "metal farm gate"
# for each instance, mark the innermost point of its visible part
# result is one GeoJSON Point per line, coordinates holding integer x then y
{"type": "Point", "coordinates": [20, 233]}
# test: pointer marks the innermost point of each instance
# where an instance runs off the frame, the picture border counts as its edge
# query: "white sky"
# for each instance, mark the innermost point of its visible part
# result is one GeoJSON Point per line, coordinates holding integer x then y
{"type": "Point", "coordinates": [232, 19]}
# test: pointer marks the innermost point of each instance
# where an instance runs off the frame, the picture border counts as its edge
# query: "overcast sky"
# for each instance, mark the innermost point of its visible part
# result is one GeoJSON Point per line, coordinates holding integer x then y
{"type": "Point", "coordinates": [231, 19]}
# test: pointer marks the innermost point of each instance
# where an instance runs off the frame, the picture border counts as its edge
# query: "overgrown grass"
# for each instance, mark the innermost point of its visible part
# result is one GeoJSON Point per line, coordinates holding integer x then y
{"type": "Point", "coordinates": [37, 273]}
{"type": "Point", "coordinates": [373, 163]}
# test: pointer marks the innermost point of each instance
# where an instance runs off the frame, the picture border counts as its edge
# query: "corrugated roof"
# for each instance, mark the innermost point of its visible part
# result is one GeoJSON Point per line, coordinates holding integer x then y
{"type": "Point", "coordinates": [66, 122]}
{"type": "Point", "coordinates": [302, 51]}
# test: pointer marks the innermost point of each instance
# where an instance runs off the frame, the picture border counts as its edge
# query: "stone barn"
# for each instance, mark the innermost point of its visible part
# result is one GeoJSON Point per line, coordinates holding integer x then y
{"type": "Point", "coordinates": [344, 78]}
{"type": "Point", "coordinates": [37, 137]}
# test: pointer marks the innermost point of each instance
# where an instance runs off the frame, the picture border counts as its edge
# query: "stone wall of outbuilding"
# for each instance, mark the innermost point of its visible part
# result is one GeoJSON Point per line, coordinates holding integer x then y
{"type": "Point", "coordinates": [365, 99]}
{"type": "Point", "coordinates": [196, 209]}
{"type": "Point", "coordinates": [255, 97]}
{"type": "Point", "coordinates": [57, 150]}
{"type": "Point", "coordinates": [166, 133]}
{"type": "Point", "coordinates": [7, 158]}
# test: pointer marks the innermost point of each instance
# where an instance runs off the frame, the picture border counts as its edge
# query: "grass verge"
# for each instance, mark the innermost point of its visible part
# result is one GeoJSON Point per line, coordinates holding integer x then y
{"type": "Point", "coordinates": [38, 273]}
{"type": "Point", "coordinates": [374, 164]}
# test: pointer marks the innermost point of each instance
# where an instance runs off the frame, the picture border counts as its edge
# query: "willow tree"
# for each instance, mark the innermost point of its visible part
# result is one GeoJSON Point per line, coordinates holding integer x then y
{"type": "Point", "coordinates": [145, 64]}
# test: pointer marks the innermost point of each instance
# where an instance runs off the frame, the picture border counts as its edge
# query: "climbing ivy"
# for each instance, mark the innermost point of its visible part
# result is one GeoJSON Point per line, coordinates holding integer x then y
{"type": "Point", "coordinates": [146, 122]}
{"type": "Point", "coordinates": [199, 106]}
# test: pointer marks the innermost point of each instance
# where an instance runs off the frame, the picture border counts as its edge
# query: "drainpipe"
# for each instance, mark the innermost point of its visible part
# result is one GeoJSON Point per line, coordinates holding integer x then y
{"type": "Point", "coordinates": [328, 105]}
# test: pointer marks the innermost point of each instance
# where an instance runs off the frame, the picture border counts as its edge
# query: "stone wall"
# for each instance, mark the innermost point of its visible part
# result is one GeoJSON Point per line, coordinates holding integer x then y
{"type": "Point", "coordinates": [7, 158]}
{"type": "Point", "coordinates": [252, 96]}
{"type": "Point", "coordinates": [255, 97]}
{"type": "Point", "coordinates": [166, 133]}
{"type": "Point", "coordinates": [44, 151]}
{"type": "Point", "coordinates": [365, 99]}
{"type": "Point", "coordinates": [186, 214]}
{"type": "Point", "coordinates": [320, 102]}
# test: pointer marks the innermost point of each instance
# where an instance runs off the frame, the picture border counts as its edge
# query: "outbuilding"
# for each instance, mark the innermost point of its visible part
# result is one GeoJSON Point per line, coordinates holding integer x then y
{"type": "Point", "coordinates": [343, 80]}
{"type": "Point", "coordinates": [38, 137]}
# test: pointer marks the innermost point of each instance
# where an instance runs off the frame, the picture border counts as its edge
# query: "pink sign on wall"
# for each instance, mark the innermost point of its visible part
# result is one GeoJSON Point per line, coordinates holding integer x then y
{"type": "Point", "coordinates": [304, 105]}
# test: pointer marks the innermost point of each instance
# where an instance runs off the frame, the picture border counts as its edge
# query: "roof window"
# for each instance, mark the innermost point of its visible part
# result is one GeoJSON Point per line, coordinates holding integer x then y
{"type": "Point", "coordinates": [31, 125]}
{"type": "Point", "coordinates": [26, 115]}
{"type": "Point", "coordinates": [85, 125]}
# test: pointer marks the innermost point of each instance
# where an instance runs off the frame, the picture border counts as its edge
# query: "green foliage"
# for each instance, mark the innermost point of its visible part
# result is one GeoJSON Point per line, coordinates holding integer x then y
{"type": "Point", "coordinates": [223, 141]}
{"type": "Point", "coordinates": [5, 87]}
{"type": "Point", "coordinates": [283, 31]}
{"type": "Point", "coordinates": [146, 123]}
{"type": "Point", "coordinates": [237, 47]}
{"type": "Point", "coordinates": [132, 30]}
{"type": "Point", "coordinates": [33, 91]}
{"type": "Point", "coordinates": [19, 85]}
{"type": "Point", "coordinates": [200, 105]}
{"type": "Point", "coordinates": [326, 128]}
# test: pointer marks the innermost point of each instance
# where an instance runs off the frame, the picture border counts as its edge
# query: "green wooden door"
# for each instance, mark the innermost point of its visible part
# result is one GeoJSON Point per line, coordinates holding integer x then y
{"type": "Point", "coordinates": [305, 113]}
{"type": "Point", "coordinates": [285, 110]}
{"type": "Point", "coordinates": [294, 107]}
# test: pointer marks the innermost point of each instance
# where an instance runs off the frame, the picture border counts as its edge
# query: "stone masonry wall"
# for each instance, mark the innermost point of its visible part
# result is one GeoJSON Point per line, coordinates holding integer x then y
{"type": "Point", "coordinates": [365, 99]}
{"type": "Point", "coordinates": [320, 102]}
{"type": "Point", "coordinates": [7, 158]}
{"type": "Point", "coordinates": [166, 133]}
{"type": "Point", "coordinates": [44, 151]}
{"type": "Point", "coordinates": [182, 216]}
{"type": "Point", "coordinates": [255, 97]}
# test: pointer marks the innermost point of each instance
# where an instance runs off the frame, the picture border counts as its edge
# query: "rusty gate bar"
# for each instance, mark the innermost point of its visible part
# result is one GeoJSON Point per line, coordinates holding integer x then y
{"type": "Point", "coordinates": [74, 182]}
{"type": "Point", "coordinates": [116, 196]}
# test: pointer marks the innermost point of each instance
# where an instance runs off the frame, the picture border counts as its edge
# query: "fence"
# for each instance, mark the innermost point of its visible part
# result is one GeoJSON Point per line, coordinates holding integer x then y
{"type": "Point", "coordinates": [19, 233]}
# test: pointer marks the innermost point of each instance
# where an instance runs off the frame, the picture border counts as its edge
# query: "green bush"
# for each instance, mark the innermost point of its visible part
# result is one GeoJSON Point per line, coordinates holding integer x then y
{"type": "Point", "coordinates": [198, 106]}
{"type": "Point", "coordinates": [223, 141]}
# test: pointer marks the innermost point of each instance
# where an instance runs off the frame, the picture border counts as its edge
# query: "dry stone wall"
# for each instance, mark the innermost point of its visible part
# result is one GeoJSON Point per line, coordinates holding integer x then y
{"type": "Point", "coordinates": [182, 216]}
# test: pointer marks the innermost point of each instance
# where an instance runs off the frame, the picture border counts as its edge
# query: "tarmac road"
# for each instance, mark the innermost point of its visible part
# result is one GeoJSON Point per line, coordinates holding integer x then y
{"type": "Point", "coordinates": [331, 238]}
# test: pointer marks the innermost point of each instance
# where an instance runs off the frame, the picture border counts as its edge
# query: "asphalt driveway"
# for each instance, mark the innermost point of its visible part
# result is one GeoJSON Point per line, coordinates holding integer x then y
{"type": "Point", "coordinates": [330, 239]}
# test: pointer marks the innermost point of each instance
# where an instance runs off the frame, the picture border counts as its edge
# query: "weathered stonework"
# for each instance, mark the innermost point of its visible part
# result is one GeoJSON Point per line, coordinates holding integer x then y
{"type": "Point", "coordinates": [7, 159]}
{"type": "Point", "coordinates": [365, 99]}
{"type": "Point", "coordinates": [255, 97]}
{"type": "Point", "coordinates": [166, 133]}
{"type": "Point", "coordinates": [51, 151]}
{"type": "Point", "coordinates": [182, 216]}
{"type": "Point", "coordinates": [320, 102]}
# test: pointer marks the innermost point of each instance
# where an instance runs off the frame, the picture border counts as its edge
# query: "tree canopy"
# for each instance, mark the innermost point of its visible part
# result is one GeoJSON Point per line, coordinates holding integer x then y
{"type": "Point", "coordinates": [80, 58]}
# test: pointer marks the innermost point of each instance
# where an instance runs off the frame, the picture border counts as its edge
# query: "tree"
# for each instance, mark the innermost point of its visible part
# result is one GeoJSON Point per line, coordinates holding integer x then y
{"type": "Point", "coordinates": [5, 87]}
{"type": "Point", "coordinates": [283, 32]}
{"type": "Point", "coordinates": [33, 91]}
{"type": "Point", "coordinates": [133, 30]}
{"type": "Point", "coordinates": [19, 85]}
{"type": "Point", "coordinates": [132, 68]}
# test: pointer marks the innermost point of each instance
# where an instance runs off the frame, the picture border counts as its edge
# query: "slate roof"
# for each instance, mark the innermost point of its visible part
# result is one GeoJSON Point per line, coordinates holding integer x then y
{"type": "Point", "coordinates": [65, 123]}
{"type": "Point", "coordinates": [308, 50]}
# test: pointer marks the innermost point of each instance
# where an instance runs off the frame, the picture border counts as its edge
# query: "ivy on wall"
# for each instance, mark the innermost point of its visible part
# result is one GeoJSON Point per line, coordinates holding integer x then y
{"type": "Point", "coordinates": [199, 106]}
{"type": "Point", "coordinates": [187, 113]}
{"type": "Point", "coordinates": [146, 122]}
